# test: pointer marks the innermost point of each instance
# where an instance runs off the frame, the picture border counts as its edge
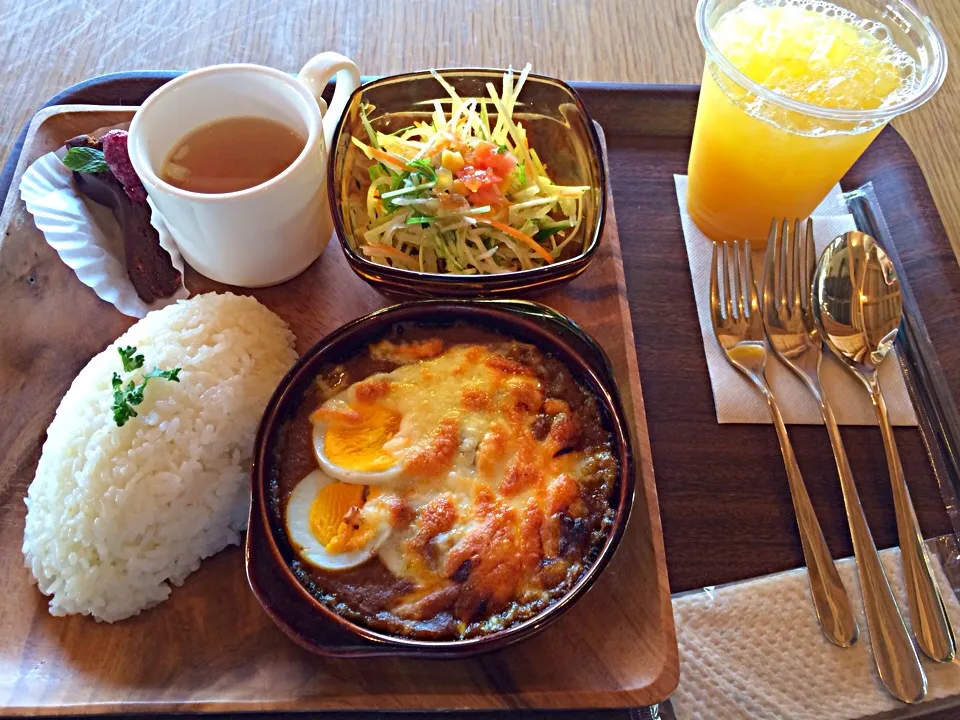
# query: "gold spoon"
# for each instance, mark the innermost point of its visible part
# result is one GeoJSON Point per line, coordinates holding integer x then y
{"type": "Point", "coordinates": [858, 306]}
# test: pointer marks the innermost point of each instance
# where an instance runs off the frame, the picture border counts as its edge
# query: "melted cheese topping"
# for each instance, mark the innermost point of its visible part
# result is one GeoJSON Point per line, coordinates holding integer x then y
{"type": "Point", "coordinates": [478, 502]}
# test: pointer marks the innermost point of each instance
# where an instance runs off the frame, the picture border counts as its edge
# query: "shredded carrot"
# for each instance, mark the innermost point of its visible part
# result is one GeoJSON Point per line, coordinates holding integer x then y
{"type": "Point", "coordinates": [395, 162]}
{"type": "Point", "coordinates": [529, 168]}
{"type": "Point", "coordinates": [523, 237]}
{"type": "Point", "coordinates": [386, 250]}
{"type": "Point", "coordinates": [434, 145]}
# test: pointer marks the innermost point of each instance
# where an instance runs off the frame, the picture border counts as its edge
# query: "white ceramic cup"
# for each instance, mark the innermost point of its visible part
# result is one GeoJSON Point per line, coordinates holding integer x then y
{"type": "Point", "coordinates": [268, 233]}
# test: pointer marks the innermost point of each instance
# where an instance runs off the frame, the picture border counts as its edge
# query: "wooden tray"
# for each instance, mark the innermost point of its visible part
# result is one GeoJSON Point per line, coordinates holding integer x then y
{"type": "Point", "coordinates": [210, 646]}
{"type": "Point", "coordinates": [723, 499]}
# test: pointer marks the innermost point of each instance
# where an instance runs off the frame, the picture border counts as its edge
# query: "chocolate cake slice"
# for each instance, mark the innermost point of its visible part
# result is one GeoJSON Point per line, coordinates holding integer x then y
{"type": "Point", "coordinates": [148, 265]}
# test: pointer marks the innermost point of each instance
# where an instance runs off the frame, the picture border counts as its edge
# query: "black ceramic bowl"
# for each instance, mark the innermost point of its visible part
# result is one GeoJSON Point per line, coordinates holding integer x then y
{"type": "Point", "coordinates": [558, 127]}
{"type": "Point", "coordinates": [525, 321]}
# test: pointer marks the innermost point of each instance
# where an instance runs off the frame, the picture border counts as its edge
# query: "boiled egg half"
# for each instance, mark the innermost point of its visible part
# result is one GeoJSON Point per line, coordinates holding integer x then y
{"type": "Point", "coordinates": [335, 525]}
{"type": "Point", "coordinates": [349, 439]}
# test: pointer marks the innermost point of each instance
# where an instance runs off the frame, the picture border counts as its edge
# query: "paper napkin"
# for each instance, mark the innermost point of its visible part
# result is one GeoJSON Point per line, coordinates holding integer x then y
{"type": "Point", "coordinates": [736, 399]}
{"type": "Point", "coordinates": [754, 651]}
{"type": "Point", "coordinates": [86, 236]}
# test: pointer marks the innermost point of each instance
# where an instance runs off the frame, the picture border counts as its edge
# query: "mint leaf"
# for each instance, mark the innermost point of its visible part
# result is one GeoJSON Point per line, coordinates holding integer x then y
{"type": "Point", "coordinates": [85, 160]}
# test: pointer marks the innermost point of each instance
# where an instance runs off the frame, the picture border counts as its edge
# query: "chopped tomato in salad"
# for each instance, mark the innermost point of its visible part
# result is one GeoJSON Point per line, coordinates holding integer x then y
{"type": "Point", "coordinates": [464, 193]}
{"type": "Point", "coordinates": [497, 160]}
{"type": "Point", "coordinates": [482, 186]}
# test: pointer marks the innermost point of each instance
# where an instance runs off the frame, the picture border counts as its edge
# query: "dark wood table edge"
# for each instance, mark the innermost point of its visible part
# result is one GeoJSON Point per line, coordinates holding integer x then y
{"type": "Point", "coordinates": [652, 713]}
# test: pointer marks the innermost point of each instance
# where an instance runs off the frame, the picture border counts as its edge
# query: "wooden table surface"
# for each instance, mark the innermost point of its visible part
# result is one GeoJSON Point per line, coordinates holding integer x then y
{"type": "Point", "coordinates": [47, 46]}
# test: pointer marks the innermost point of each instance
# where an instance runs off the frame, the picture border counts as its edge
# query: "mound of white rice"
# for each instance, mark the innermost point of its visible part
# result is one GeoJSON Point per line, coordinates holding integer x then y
{"type": "Point", "coordinates": [114, 513]}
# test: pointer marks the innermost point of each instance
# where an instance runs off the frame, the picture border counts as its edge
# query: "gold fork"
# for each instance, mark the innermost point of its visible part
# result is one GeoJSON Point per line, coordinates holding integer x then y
{"type": "Point", "coordinates": [788, 318]}
{"type": "Point", "coordinates": [738, 325]}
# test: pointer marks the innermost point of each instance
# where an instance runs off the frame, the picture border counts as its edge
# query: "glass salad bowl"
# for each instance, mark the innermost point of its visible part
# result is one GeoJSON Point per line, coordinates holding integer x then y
{"type": "Point", "coordinates": [546, 116]}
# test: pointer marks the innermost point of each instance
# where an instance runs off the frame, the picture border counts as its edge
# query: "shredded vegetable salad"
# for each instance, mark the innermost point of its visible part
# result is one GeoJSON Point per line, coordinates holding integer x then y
{"type": "Point", "coordinates": [464, 193]}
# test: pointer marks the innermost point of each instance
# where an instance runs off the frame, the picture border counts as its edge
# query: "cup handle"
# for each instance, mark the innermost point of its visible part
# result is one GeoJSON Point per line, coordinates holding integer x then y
{"type": "Point", "coordinates": [315, 75]}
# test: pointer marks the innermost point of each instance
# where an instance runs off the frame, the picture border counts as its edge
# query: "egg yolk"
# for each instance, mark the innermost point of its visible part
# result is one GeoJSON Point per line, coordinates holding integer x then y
{"type": "Point", "coordinates": [329, 508]}
{"type": "Point", "coordinates": [359, 445]}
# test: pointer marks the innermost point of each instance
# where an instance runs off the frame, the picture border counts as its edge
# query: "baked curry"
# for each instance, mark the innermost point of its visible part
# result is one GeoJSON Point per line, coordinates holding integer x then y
{"type": "Point", "coordinates": [444, 484]}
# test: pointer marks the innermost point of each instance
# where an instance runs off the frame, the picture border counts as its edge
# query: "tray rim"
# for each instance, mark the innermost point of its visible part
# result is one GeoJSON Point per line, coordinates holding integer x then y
{"type": "Point", "coordinates": [65, 95]}
{"type": "Point", "coordinates": [666, 674]}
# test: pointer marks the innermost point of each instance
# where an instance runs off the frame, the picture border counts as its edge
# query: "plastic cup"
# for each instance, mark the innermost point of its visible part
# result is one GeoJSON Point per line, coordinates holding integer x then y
{"type": "Point", "coordinates": [757, 155]}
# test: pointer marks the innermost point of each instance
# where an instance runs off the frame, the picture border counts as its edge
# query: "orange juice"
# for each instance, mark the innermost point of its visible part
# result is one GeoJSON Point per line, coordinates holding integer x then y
{"type": "Point", "coordinates": [753, 157]}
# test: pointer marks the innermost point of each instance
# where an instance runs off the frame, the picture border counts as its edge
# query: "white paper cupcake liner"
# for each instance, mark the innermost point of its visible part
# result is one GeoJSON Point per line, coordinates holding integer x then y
{"type": "Point", "coordinates": [87, 237]}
